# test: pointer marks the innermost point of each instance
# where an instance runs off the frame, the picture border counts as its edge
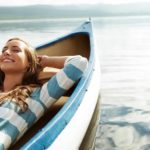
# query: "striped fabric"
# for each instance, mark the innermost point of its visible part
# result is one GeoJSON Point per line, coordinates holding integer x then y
{"type": "Point", "coordinates": [14, 122]}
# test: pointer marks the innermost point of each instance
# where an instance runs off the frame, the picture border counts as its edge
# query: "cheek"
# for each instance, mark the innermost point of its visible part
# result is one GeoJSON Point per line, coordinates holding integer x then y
{"type": "Point", "coordinates": [23, 61]}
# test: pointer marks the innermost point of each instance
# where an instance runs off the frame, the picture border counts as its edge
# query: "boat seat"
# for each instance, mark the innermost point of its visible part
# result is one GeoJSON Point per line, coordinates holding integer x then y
{"type": "Point", "coordinates": [47, 73]}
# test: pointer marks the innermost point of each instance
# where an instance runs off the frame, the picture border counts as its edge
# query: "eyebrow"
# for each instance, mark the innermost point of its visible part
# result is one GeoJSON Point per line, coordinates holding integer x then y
{"type": "Point", "coordinates": [16, 46]}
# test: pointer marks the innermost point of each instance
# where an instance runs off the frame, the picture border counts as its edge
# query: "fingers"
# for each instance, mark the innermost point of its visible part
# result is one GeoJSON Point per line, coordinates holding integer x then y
{"type": "Point", "coordinates": [42, 60]}
{"type": "Point", "coordinates": [39, 58]}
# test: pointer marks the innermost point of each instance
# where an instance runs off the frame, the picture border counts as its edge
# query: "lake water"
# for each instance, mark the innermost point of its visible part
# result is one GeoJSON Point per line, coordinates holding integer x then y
{"type": "Point", "coordinates": [124, 45]}
{"type": "Point", "coordinates": [124, 52]}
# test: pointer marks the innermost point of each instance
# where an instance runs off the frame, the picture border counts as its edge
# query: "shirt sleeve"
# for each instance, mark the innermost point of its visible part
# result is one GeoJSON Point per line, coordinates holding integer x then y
{"type": "Point", "coordinates": [52, 90]}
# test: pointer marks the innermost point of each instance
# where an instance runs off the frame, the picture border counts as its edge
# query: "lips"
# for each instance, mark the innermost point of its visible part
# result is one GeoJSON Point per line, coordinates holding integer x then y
{"type": "Point", "coordinates": [8, 60]}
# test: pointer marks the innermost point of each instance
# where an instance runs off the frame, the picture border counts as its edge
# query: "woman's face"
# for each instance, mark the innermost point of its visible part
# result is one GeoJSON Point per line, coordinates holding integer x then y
{"type": "Point", "coordinates": [13, 58]}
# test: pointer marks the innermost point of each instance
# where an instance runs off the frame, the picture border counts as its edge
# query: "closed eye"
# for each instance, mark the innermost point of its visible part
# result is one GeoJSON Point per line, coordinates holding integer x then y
{"type": "Point", "coordinates": [14, 49]}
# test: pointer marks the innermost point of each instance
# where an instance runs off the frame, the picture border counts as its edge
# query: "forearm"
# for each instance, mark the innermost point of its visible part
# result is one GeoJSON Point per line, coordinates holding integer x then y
{"type": "Point", "coordinates": [64, 79]}
{"type": "Point", "coordinates": [54, 61]}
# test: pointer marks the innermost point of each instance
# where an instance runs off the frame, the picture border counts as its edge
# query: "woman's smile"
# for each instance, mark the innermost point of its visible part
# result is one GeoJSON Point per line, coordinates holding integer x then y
{"type": "Point", "coordinates": [8, 60]}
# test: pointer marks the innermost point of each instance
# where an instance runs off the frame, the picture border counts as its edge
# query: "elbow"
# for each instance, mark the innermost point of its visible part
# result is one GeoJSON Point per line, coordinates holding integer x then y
{"type": "Point", "coordinates": [83, 64]}
{"type": "Point", "coordinates": [79, 62]}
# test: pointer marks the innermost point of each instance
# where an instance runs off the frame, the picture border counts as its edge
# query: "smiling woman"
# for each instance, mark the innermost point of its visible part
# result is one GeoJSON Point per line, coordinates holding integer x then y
{"type": "Point", "coordinates": [23, 98]}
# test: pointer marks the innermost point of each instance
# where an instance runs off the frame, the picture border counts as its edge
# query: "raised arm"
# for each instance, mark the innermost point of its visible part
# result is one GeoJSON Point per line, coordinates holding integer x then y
{"type": "Point", "coordinates": [74, 67]}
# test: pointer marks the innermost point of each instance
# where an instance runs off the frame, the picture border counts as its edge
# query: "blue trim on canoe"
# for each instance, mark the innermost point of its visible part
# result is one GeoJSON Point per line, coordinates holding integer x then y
{"type": "Point", "coordinates": [46, 136]}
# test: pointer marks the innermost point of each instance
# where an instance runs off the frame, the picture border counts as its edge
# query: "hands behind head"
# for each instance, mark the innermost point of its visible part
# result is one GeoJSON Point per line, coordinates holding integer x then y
{"type": "Point", "coordinates": [48, 71]}
{"type": "Point", "coordinates": [43, 59]}
{"type": "Point", "coordinates": [52, 61]}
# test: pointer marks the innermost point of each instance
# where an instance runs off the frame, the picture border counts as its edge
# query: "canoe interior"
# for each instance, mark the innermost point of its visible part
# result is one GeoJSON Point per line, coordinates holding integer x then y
{"type": "Point", "coordinates": [75, 44]}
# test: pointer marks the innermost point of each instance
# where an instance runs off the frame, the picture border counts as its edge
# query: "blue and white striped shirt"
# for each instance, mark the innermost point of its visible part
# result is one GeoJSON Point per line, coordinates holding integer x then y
{"type": "Point", "coordinates": [14, 123]}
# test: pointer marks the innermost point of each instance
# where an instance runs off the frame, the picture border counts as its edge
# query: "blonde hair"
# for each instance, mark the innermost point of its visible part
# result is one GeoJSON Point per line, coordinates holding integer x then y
{"type": "Point", "coordinates": [29, 82]}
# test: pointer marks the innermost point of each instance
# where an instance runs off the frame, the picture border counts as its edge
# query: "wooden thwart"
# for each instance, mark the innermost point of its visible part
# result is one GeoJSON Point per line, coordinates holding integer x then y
{"type": "Point", "coordinates": [47, 73]}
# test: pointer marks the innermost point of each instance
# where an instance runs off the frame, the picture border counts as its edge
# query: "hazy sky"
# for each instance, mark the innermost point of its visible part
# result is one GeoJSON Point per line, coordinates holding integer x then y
{"type": "Point", "coordinates": [31, 2]}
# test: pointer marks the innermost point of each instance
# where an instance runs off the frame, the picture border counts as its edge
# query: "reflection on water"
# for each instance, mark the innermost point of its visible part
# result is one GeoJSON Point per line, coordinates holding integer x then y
{"type": "Point", "coordinates": [125, 128]}
{"type": "Point", "coordinates": [125, 66]}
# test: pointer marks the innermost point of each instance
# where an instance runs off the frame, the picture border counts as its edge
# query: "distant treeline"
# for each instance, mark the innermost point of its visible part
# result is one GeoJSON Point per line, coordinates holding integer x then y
{"type": "Point", "coordinates": [95, 10]}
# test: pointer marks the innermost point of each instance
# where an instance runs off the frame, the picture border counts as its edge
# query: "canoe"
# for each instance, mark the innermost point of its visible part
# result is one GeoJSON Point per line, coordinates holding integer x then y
{"type": "Point", "coordinates": [71, 123]}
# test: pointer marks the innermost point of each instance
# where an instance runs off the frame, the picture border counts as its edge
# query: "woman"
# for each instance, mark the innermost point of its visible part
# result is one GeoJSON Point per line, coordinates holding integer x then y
{"type": "Point", "coordinates": [23, 100]}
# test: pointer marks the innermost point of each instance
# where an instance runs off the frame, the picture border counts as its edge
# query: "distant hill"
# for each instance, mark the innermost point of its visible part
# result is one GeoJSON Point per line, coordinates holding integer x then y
{"type": "Point", "coordinates": [50, 11]}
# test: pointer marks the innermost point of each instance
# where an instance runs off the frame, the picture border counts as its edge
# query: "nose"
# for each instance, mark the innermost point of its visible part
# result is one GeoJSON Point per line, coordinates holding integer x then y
{"type": "Point", "coordinates": [6, 52]}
